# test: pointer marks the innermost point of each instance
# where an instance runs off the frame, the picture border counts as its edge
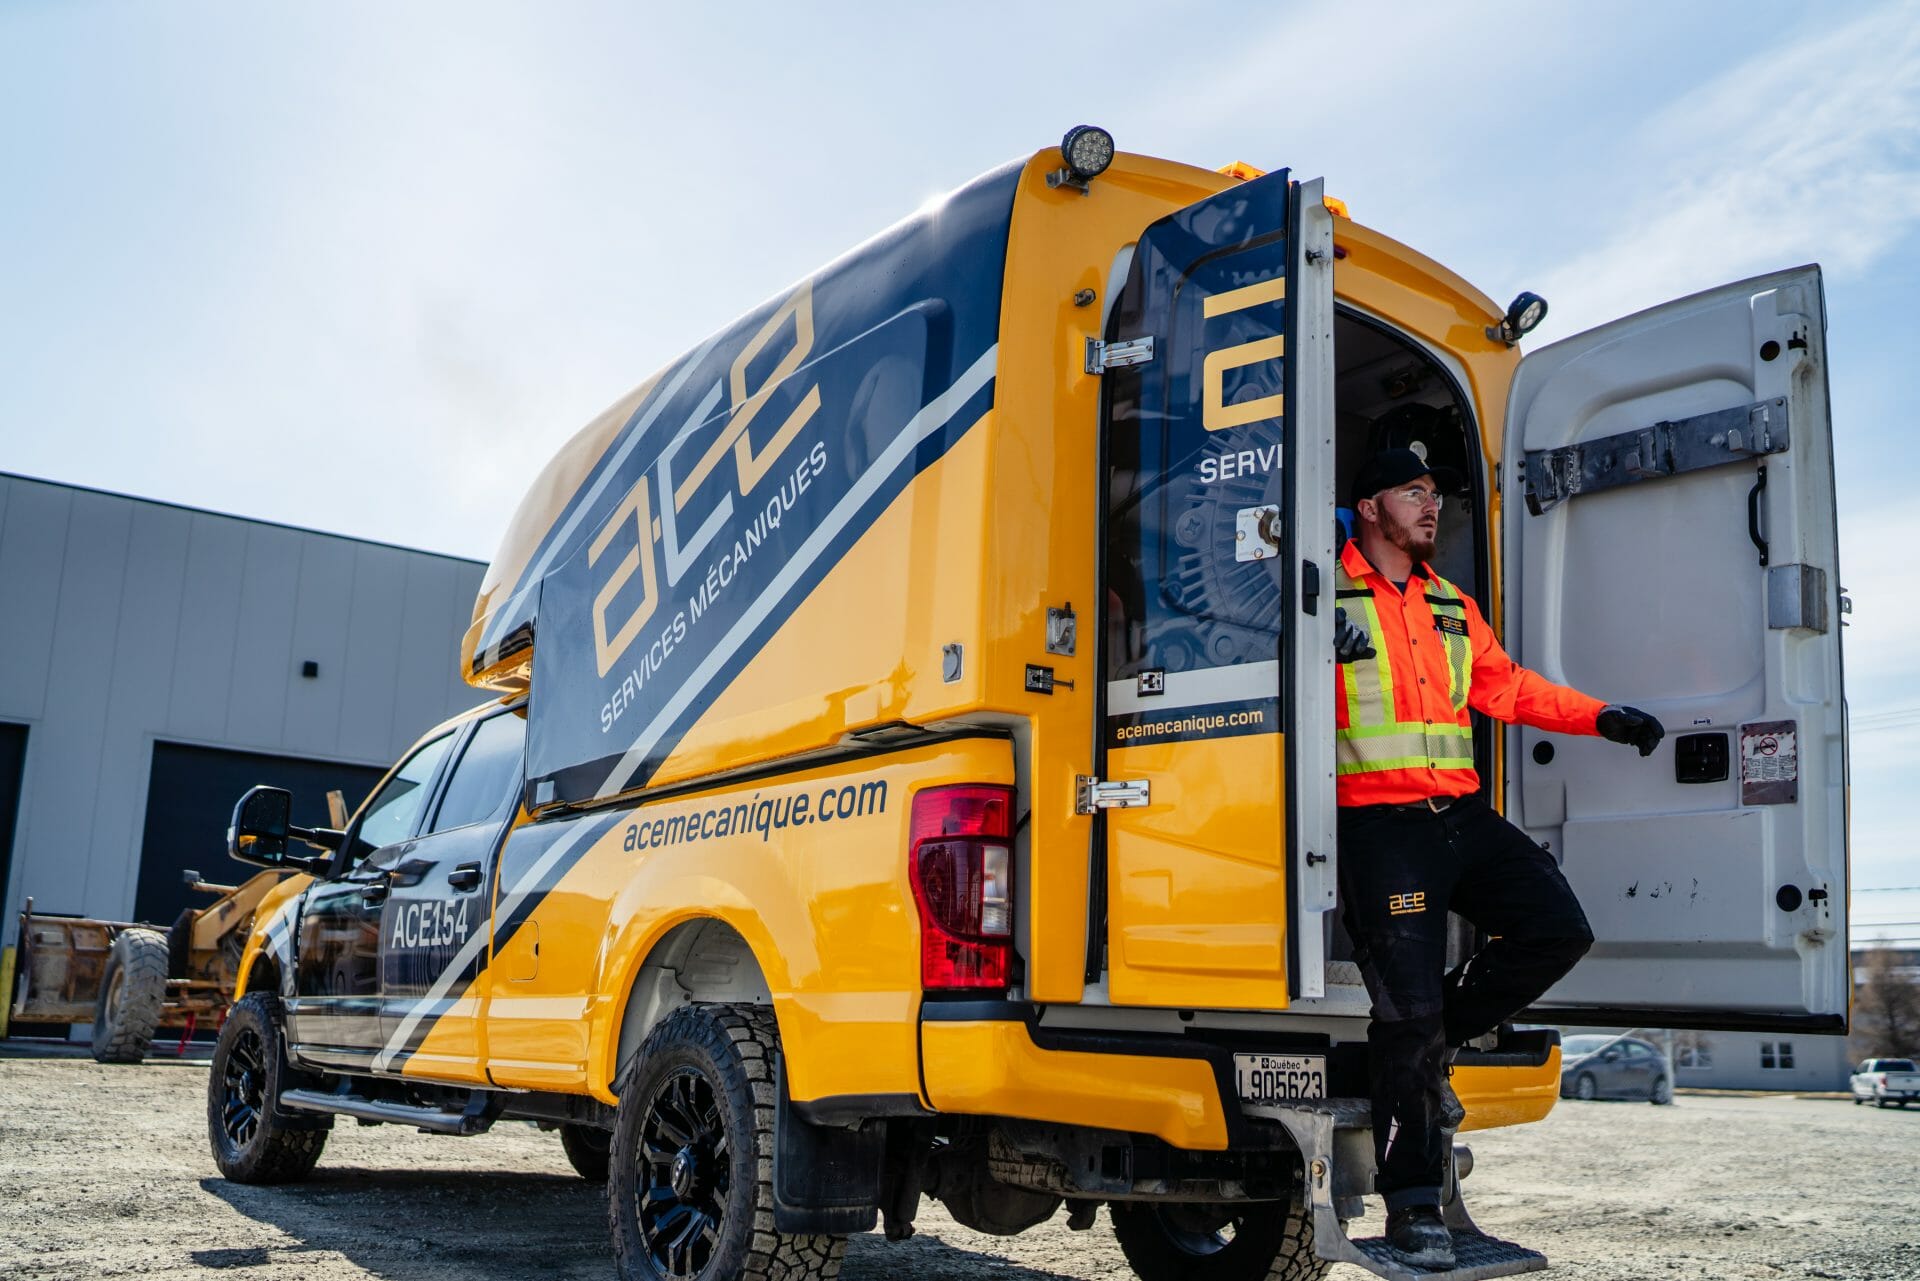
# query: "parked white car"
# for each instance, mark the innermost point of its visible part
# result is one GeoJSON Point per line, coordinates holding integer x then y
{"type": "Point", "coordinates": [1886, 1081]}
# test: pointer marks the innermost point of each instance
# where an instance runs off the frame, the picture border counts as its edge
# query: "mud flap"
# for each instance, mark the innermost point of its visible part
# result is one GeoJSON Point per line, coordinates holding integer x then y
{"type": "Point", "coordinates": [826, 1178]}
{"type": "Point", "coordinates": [1335, 1138]}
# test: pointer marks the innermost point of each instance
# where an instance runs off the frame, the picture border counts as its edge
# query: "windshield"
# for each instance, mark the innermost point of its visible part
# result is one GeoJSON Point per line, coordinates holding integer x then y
{"type": "Point", "coordinates": [1574, 1046]}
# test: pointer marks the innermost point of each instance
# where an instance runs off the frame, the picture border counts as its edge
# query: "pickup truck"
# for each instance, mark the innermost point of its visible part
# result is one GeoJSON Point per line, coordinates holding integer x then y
{"type": "Point", "coordinates": [911, 771]}
{"type": "Point", "coordinates": [1886, 1081]}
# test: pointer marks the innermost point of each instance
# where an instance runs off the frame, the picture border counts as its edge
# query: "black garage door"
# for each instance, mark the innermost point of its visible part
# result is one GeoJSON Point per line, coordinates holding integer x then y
{"type": "Point", "coordinates": [13, 757]}
{"type": "Point", "coordinates": [190, 799]}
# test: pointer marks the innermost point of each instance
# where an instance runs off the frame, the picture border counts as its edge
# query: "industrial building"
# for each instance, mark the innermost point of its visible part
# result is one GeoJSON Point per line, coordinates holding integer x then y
{"type": "Point", "coordinates": [160, 659]}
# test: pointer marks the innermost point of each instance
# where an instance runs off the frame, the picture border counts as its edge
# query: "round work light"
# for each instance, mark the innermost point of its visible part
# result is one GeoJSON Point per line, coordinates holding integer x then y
{"type": "Point", "coordinates": [1088, 150]}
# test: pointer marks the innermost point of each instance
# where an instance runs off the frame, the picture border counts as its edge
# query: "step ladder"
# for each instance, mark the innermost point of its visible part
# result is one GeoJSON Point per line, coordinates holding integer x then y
{"type": "Point", "coordinates": [1335, 1138]}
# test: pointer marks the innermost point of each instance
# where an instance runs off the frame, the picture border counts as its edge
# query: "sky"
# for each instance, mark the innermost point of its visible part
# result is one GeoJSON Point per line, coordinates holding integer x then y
{"type": "Point", "coordinates": [363, 267]}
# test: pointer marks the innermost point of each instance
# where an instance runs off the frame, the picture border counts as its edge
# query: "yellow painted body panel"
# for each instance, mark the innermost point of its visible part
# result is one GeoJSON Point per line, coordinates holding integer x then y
{"type": "Point", "coordinates": [1197, 882]}
{"type": "Point", "coordinates": [826, 910]}
{"type": "Point", "coordinates": [1501, 1096]}
{"type": "Point", "coordinates": [1044, 508]}
{"type": "Point", "coordinates": [995, 1069]}
{"type": "Point", "coordinates": [272, 904]}
{"type": "Point", "coordinates": [453, 1049]}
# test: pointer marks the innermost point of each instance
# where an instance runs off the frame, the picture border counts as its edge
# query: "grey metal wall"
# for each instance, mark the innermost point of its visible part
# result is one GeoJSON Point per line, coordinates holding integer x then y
{"type": "Point", "coordinates": [124, 621]}
{"type": "Point", "coordinates": [1820, 1063]}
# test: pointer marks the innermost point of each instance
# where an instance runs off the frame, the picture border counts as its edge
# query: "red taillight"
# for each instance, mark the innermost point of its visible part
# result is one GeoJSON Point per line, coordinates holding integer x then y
{"type": "Point", "coordinates": [961, 864]}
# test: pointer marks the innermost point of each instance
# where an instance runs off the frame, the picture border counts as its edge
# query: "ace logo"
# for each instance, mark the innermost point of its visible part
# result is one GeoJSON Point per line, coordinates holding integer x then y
{"type": "Point", "coordinates": [1405, 904]}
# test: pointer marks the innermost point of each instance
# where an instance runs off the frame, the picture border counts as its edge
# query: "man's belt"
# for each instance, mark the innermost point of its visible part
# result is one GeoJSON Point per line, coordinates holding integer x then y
{"type": "Point", "coordinates": [1433, 804]}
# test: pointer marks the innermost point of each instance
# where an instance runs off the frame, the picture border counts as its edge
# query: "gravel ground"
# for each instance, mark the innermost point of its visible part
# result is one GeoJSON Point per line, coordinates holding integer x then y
{"type": "Point", "coordinates": [104, 1172]}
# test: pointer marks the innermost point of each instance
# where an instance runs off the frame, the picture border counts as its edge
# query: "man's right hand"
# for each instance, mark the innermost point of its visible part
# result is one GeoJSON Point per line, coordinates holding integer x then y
{"type": "Point", "coordinates": [1630, 726]}
{"type": "Point", "coordinates": [1350, 641]}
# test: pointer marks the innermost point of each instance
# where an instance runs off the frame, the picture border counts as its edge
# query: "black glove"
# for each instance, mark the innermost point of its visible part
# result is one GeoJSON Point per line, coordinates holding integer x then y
{"type": "Point", "coordinates": [1350, 641]}
{"type": "Point", "coordinates": [1631, 726]}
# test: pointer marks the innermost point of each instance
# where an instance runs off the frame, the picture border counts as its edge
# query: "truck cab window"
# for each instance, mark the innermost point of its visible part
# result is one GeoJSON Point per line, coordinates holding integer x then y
{"type": "Point", "coordinates": [394, 812]}
{"type": "Point", "coordinates": [486, 779]}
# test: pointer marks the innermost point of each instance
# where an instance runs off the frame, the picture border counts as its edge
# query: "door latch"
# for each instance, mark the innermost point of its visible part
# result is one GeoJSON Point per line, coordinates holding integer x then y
{"type": "Point", "coordinates": [1102, 356]}
{"type": "Point", "coordinates": [1091, 794]}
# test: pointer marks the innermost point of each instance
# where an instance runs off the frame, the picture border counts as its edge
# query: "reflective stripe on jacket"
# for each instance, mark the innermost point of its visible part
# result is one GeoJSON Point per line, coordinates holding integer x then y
{"type": "Point", "coordinates": [1403, 728]}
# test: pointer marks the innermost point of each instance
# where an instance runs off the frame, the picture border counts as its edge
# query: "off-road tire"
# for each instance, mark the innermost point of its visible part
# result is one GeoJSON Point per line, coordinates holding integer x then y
{"type": "Point", "coordinates": [133, 988]}
{"type": "Point", "coordinates": [1585, 1088]}
{"type": "Point", "coordinates": [588, 1149]}
{"type": "Point", "coordinates": [253, 1142]}
{"type": "Point", "coordinates": [1179, 1241]}
{"type": "Point", "coordinates": [1662, 1093]}
{"type": "Point", "coordinates": [704, 1080]}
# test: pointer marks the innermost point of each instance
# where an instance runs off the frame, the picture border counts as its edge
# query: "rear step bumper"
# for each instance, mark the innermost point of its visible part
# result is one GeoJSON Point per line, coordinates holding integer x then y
{"type": "Point", "coordinates": [1335, 1138]}
{"type": "Point", "coordinates": [476, 1118]}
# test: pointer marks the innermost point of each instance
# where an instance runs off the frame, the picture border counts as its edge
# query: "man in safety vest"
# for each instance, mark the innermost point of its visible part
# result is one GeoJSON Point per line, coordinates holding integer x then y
{"type": "Point", "coordinates": [1417, 840]}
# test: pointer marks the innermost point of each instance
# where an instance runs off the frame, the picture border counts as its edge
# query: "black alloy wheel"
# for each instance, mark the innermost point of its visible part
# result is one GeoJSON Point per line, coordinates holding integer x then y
{"type": "Point", "coordinates": [243, 1083]}
{"type": "Point", "coordinates": [690, 1179]}
{"type": "Point", "coordinates": [253, 1140]}
{"type": "Point", "coordinates": [685, 1174]}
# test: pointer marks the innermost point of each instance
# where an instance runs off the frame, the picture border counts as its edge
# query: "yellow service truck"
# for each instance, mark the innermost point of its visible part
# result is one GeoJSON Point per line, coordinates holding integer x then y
{"type": "Point", "coordinates": [913, 767]}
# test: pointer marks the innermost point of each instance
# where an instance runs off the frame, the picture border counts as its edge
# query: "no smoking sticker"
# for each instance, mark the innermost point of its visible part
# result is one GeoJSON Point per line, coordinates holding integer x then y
{"type": "Point", "coordinates": [1769, 763]}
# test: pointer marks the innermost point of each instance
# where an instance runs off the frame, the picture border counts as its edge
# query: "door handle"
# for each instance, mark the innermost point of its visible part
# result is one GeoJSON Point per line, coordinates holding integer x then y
{"type": "Point", "coordinates": [375, 891]}
{"type": "Point", "coordinates": [465, 876]}
{"type": "Point", "coordinates": [1309, 587]}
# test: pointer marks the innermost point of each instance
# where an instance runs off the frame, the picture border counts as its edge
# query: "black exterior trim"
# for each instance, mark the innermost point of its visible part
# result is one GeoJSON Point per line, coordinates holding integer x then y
{"type": "Point", "coordinates": [1530, 1049]}
{"type": "Point", "coordinates": [1693, 1020]}
{"type": "Point", "coordinates": [972, 1011]}
{"type": "Point", "coordinates": [851, 1109]}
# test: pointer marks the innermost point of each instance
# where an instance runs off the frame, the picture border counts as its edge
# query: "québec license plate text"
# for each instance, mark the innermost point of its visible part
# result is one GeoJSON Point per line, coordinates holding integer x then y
{"type": "Point", "coordinates": [1280, 1078]}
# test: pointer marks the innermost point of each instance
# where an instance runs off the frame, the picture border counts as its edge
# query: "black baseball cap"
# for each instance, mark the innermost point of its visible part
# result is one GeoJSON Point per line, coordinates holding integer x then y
{"type": "Point", "coordinates": [1391, 467]}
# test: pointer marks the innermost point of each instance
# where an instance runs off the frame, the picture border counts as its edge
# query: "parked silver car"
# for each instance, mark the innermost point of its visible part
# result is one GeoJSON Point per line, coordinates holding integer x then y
{"type": "Point", "coordinates": [1596, 1066]}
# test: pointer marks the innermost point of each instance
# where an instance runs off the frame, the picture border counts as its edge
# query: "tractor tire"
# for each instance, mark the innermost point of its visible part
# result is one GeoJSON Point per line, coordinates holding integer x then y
{"type": "Point", "coordinates": [690, 1189]}
{"type": "Point", "coordinates": [588, 1149]}
{"type": "Point", "coordinates": [253, 1141]}
{"type": "Point", "coordinates": [1250, 1241]}
{"type": "Point", "coordinates": [133, 988]}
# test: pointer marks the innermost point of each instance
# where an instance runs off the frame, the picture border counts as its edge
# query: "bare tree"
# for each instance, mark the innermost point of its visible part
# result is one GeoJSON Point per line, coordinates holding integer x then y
{"type": "Point", "coordinates": [1886, 1007]}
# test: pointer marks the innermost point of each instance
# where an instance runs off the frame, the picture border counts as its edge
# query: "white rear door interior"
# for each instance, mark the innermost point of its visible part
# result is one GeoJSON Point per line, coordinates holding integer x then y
{"type": "Point", "coordinates": [1670, 542]}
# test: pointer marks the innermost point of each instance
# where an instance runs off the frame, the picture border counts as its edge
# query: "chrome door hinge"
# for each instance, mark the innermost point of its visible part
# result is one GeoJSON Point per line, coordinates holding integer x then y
{"type": "Point", "coordinates": [1102, 356]}
{"type": "Point", "coordinates": [1091, 794]}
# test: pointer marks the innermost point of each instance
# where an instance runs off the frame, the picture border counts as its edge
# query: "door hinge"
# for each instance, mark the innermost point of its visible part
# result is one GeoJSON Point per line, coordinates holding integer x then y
{"type": "Point", "coordinates": [1102, 356]}
{"type": "Point", "coordinates": [1091, 794]}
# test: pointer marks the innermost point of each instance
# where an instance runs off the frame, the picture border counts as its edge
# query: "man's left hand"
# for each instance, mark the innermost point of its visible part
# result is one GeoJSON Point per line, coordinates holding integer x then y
{"type": "Point", "coordinates": [1631, 726]}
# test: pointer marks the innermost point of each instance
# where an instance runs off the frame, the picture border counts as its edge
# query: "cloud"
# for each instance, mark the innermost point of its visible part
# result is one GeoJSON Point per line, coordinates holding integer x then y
{"type": "Point", "coordinates": [1807, 150]}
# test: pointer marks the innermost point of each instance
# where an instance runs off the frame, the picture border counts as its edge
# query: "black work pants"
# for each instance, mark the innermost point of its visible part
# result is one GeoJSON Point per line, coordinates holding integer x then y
{"type": "Point", "coordinates": [1401, 871]}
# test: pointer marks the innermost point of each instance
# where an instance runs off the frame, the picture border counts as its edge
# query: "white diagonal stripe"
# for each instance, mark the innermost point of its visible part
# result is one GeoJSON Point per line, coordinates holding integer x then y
{"type": "Point", "coordinates": [532, 575]}
{"type": "Point", "coordinates": [929, 420]}
{"type": "Point", "coordinates": [476, 942]}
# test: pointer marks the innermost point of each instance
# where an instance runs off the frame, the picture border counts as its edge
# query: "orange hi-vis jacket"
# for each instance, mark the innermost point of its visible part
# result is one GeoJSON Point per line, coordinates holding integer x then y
{"type": "Point", "coordinates": [1403, 732]}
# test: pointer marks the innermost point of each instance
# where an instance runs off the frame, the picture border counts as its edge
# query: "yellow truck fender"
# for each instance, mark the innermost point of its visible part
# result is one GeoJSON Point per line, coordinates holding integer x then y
{"type": "Point", "coordinates": [271, 939]}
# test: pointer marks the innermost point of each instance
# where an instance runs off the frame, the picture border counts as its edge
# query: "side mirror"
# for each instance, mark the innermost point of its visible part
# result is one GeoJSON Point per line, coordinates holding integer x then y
{"type": "Point", "coordinates": [1611, 1056]}
{"type": "Point", "coordinates": [261, 822]}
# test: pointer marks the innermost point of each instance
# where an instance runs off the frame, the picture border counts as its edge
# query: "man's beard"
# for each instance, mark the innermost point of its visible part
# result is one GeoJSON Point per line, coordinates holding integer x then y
{"type": "Point", "coordinates": [1404, 536]}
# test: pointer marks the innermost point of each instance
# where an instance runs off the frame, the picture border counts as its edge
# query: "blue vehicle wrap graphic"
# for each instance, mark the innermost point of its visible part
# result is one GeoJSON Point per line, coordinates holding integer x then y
{"type": "Point", "coordinates": [739, 482]}
{"type": "Point", "coordinates": [1196, 451]}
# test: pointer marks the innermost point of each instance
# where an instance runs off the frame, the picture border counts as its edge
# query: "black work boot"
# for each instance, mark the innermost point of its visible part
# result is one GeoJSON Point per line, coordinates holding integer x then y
{"type": "Point", "coordinates": [1419, 1237]}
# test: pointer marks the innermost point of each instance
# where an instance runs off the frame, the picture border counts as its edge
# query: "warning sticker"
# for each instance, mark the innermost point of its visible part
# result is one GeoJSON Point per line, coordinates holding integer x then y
{"type": "Point", "coordinates": [1769, 763]}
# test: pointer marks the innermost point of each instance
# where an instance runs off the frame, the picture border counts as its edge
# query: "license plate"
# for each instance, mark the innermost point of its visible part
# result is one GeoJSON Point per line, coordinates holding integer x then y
{"type": "Point", "coordinates": [1280, 1078]}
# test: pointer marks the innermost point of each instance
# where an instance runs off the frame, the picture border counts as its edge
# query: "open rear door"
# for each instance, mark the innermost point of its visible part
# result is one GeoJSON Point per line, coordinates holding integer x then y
{"type": "Point", "coordinates": [1206, 475]}
{"type": "Point", "coordinates": [1671, 544]}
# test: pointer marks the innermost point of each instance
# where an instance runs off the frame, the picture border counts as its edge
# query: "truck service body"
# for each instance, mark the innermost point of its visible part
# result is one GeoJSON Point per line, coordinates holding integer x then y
{"type": "Point", "coordinates": [940, 659]}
